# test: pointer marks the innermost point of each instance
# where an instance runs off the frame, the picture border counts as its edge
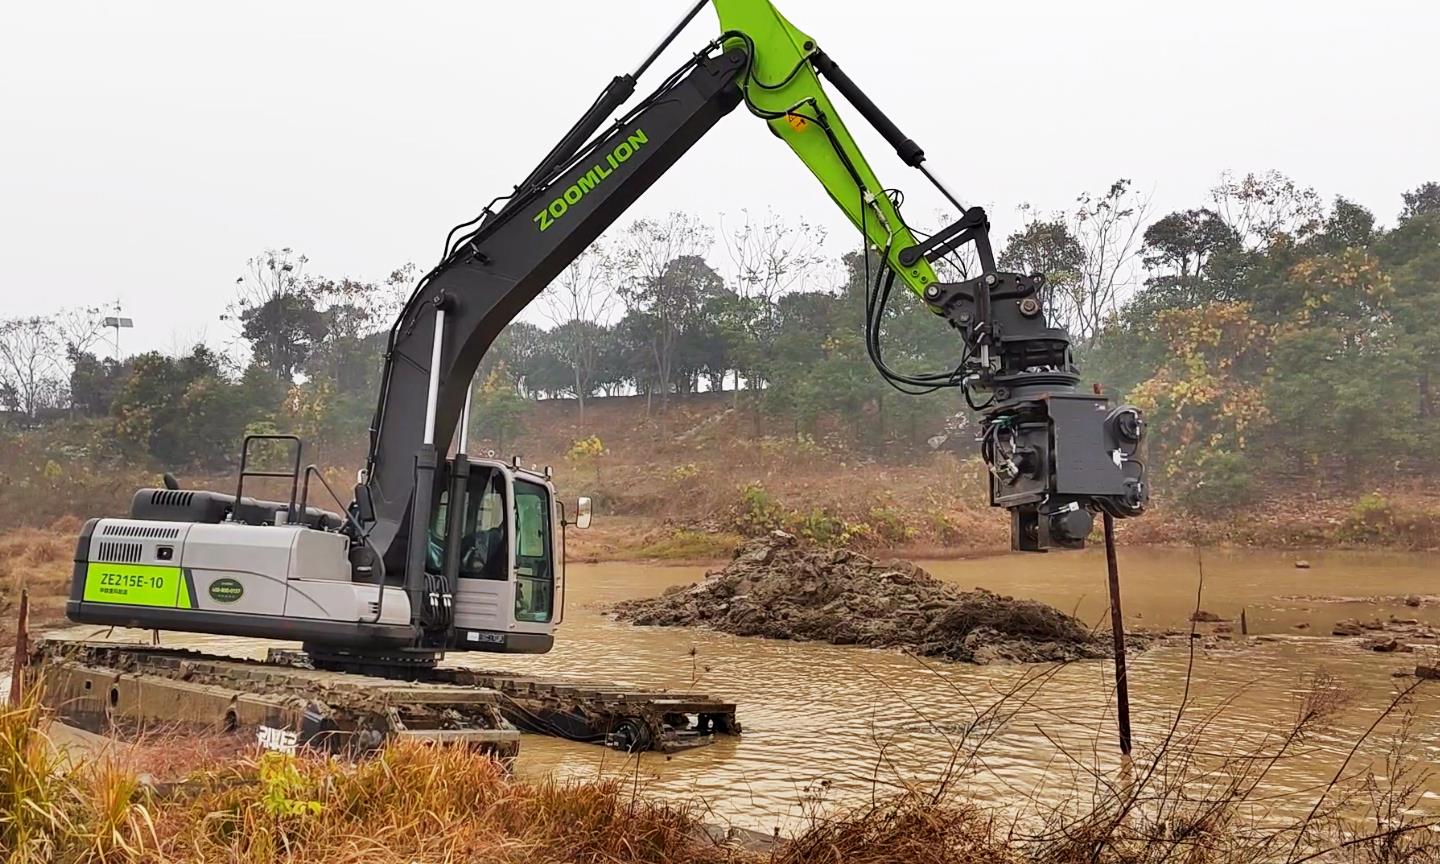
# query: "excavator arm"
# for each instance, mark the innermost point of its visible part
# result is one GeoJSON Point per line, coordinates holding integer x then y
{"type": "Point", "coordinates": [781, 86]}
{"type": "Point", "coordinates": [1055, 455]}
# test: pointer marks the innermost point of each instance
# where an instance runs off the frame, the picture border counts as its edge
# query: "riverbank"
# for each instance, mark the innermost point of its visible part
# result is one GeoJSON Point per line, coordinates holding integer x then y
{"type": "Point", "coordinates": [214, 799]}
{"type": "Point", "coordinates": [687, 486]}
{"type": "Point", "coordinates": [40, 562]}
{"type": "Point", "coordinates": [40, 559]}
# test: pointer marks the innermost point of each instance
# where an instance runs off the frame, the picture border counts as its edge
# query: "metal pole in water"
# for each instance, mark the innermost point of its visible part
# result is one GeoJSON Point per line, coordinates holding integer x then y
{"type": "Point", "coordinates": [22, 649]}
{"type": "Point", "coordinates": [1117, 627]}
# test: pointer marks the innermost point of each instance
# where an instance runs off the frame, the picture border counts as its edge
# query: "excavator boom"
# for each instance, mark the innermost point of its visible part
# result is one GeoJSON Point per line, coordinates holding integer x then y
{"type": "Point", "coordinates": [440, 553]}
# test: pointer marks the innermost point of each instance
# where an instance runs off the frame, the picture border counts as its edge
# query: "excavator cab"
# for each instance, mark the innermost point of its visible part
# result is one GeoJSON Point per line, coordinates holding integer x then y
{"type": "Point", "coordinates": [505, 544]}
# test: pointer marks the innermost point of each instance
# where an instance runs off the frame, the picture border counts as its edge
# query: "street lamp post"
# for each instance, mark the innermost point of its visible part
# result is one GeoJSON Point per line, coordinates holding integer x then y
{"type": "Point", "coordinates": [117, 322]}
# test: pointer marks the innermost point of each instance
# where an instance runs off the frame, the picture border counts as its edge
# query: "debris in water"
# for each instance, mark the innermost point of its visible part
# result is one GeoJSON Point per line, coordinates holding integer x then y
{"type": "Point", "coordinates": [1383, 644]}
{"type": "Point", "coordinates": [774, 589]}
{"type": "Point", "coordinates": [1348, 627]}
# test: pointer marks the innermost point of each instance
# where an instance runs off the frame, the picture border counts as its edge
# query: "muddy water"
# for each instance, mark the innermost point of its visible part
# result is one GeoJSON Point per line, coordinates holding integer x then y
{"type": "Point", "coordinates": [834, 723]}
{"type": "Point", "coordinates": [826, 724]}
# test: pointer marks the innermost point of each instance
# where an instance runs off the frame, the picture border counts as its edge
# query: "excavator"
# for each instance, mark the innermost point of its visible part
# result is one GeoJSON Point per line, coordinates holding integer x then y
{"type": "Point", "coordinates": [436, 551]}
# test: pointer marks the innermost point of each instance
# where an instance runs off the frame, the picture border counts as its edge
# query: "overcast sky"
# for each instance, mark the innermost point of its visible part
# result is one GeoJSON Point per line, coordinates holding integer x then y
{"type": "Point", "coordinates": [149, 148]}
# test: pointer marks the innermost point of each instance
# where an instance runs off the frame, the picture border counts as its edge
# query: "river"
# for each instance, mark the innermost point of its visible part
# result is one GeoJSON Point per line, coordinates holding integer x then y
{"type": "Point", "coordinates": [829, 725]}
{"type": "Point", "coordinates": [836, 723]}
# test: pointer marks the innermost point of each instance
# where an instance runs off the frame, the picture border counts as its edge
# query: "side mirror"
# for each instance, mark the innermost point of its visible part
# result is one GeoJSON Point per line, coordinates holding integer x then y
{"type": "Point", "coordinates": [582, 513]}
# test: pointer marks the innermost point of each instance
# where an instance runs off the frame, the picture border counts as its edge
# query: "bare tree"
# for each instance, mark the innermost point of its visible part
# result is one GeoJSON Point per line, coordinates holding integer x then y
{"type": "Point", "coordinates": [399, 285]}
{"type": "Point", "coordinates": [651, 282]}
{"type": "Point", "coordinates": [1108, 228]}
{"type": "Point", "coordinates": [31, 364]}
{"type": "Point", "coordinates": [1262, 207]}
{"type": "Point", "coordinates": [1046, 246]}
{"type": "Point", "coordinates": [771, 257]}
{"type": "Point", "coordinates": [577, 304]}
{"type": "Point", "coordinates": [79, 327]}
{"type": "Point", "coordinates": [1088, 256]}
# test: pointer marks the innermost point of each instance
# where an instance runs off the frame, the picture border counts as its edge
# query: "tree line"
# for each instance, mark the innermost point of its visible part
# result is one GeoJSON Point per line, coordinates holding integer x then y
{"type": "Point", "coordinates": [1269, 334]}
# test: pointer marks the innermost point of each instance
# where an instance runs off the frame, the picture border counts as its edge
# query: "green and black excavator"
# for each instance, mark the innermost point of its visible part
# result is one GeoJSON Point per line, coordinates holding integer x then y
{"type": "Point", "coordinates": [439, 553]}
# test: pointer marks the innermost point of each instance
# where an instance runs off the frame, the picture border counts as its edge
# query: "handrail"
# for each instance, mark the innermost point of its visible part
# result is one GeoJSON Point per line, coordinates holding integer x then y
{"type": "Point", "coordinates": [294, 474]}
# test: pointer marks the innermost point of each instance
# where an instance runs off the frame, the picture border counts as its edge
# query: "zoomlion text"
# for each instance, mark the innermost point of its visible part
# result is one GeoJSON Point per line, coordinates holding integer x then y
{"type": "Point", "coordinates": [592, 178]}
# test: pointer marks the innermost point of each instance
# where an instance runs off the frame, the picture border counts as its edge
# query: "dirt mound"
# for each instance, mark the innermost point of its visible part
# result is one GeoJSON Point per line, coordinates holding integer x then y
{"type": "Point", "coordinates": [774, 589]}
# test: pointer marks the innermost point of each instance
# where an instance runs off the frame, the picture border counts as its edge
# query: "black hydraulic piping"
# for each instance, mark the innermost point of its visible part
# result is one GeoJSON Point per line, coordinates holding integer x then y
{"type": "Point", "coordinates": [615, 94]}
{"type": "Point", "coordinates": [909, 152]}
{"type": "Point", "coordinates": [458, 502]}
{"type": "Point", "coordinates": [669, 37]}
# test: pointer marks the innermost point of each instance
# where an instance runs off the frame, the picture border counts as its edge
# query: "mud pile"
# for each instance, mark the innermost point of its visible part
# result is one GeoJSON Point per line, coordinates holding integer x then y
{"type": "Point", "coordinates": [774, 589]}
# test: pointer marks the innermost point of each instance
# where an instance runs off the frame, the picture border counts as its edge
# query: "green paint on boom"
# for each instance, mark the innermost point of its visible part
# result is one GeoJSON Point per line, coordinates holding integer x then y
{"type": "Point", "coordinates": [784, 83]}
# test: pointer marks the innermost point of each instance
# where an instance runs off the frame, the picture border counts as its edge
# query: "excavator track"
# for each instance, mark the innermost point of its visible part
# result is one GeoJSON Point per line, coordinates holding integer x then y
{"type": "Point", "coordinates": [624, 718]}
{"type": "Point", "coordinates": [112, 686]}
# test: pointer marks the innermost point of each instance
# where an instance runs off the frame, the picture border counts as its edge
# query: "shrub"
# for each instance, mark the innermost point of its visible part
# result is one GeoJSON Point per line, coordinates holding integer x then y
{"type": "Point", "coordinates": [1374, 518]}
{"type": "Point", "coordinates": [1217, 483]}
{"type": "Point", "coordinates": [1370, 518]}
{"type": "Point", "coordinates": [758, 512]}
{"type": "Point", "coordinates": [585, 454]}
{"type": "Point", "coordinates": [685, 475]}
{"type": "Point", "coordinates": [825, 528]}
{"type": "Point", "coordinates": [890, 525]}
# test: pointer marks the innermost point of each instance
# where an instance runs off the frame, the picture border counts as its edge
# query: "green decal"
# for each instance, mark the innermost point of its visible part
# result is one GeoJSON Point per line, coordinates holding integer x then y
{"type": "Point", "coordinates": [226, 590]}
{"type": "Point", "coordinates": [572, 194]}
{"type": "Point", "coordinates": [133, 584]}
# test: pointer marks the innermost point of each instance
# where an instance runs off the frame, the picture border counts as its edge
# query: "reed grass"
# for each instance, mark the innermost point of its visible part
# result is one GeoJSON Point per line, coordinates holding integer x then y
{"type": "Point", "coordinates": [416, 802]}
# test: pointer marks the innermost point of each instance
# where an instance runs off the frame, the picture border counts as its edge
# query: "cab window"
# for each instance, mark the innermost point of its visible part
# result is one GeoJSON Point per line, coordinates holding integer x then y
{"type": "Point", "coordinates": [534, 567]}
{"type": "Point", "coordinates": [483, 539]}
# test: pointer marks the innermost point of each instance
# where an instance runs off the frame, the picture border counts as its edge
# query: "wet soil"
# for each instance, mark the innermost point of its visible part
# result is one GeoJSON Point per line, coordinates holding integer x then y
{"type": "Point", "coordinates": [775, 589]}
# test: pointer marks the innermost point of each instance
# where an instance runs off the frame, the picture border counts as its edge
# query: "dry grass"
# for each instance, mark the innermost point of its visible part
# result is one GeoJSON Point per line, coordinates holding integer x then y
{"type": "Point", "coordinates": [909, 828]}
{"type": "Point", "coordinates": [413, 803]}
{"type": "Point", "coordinates": [40, 560]}
{"type": "Point", "coordinates": [416, 803]}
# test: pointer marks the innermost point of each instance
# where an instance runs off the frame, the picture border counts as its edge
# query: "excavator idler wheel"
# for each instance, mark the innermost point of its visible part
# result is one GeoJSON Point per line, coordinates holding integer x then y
{"type": "Point", "coordinates": [631, 735]}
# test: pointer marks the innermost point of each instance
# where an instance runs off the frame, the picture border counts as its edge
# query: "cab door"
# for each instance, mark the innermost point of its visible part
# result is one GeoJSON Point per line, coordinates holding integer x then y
{"type": "Point", "coordinates": [504, 591]}
{"type": "Point", "coordinates": [482, 593]}
{"type": "Point", "coordinates": [535, 564]}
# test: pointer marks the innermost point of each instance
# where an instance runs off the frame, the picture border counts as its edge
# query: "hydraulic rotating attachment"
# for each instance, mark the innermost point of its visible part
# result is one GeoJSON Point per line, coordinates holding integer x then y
{"type": "Point", "coordinates": [1057, 455]}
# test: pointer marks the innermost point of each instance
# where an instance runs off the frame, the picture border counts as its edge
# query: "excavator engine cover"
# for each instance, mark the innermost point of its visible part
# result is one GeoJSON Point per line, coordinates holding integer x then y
{"type": "Point", "coordinates": [271, 581]}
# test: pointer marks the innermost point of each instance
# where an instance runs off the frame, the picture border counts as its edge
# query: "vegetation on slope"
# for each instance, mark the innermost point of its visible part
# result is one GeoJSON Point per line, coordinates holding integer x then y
{"type": "Point", "coordinates": [1284, 348]}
